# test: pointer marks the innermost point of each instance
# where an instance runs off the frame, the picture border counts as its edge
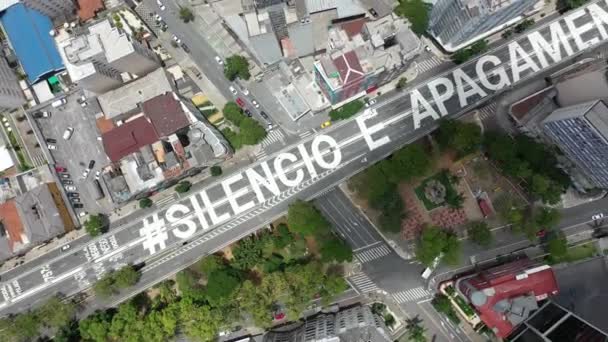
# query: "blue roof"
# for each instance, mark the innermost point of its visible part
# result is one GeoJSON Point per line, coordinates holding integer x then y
{"type": "Point", "coordinates": [28, 31]}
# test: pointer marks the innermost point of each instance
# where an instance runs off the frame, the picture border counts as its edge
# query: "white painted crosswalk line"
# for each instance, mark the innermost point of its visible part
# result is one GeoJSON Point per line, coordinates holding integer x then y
{"type": "Point", "coordinates": [363, 283]}
{"type": "Point", "coordinates": [373, 254]}
{"type": "Point", "coordinates": [261, 154]}
{"type": "Point", "coordinates": [305, 134]}
{"type": "Point", "coordinates": [411, 295]}
{"type": "Point", "coordinates": [165, 200]}
{"type": "Point", "coordinates": [428, 64]}
{"type": "Point", "coordinates": [272, 137]}
{"type": "Point", "coordinates": [487, 111]}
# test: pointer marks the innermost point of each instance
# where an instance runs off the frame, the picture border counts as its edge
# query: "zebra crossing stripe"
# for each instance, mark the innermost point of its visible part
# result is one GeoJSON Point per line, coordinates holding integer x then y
{"type": "Point", "coordinates": [411, 295]}
{"type": "Point", "coordinates": [165, 200]}
{"type": "Point", "coordinates": [305, 134]}
{"type": "Point", "coordinates": [487, 111]}
{"type": "Point", "coordinates": [374, 253]}
{"type": "Point", "coordinates": [272, 137]}
{"type": "Point", "coordinates": [428, 64]}
{"type": "Point", "coordinates": [363, 283]}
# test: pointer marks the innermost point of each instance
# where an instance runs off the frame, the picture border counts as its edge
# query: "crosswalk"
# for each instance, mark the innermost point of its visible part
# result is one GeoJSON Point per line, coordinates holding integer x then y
{"type": "Point", "coordinates": [260, 154]}
{"type": "Point", "coordinates": [273, 137]}
{"type": "Point", "coordinates": [165, 201]}
{"type": "Point", "coordinates": [362, 283]}
{"type": "Point", "coordinates": [487, 111]}
{"type": "Point", "coordinates": [411, 295]}
{"type": "Point", "coordinates": [38, 159]}
{"type": "Point", "coordinates": [428, 64]}
{"type": "Point", "coordinates": [305, 134]}
{"type": "Point", "coordinates": [373, 254]}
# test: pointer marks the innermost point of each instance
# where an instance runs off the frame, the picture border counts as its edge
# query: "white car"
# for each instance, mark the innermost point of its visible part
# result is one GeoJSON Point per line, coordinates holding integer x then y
{"type": "Point", "coordinates": [65, 247]}
{"type": "Point", "coordinates": [85, 173]}
{"type": "Point", "coordinates": [160, 5]}
{"type": "Point", "coordinates": [70, 188]}
{"type": "Point", "coordinates": [233, 90]}
{"type": "Point", "coordinates": [219, 60]}
{"type": "Point", "coordinates": [51, 147]}
{"type": "Point", "coordinates": [245, 91]}
{"type": "Point", "coordinates": [157, 17]}
{"type": "Point", "coordinates": [597, 216]}
{"type": "Point", "coordinates": [97, 174]}
{"type": "Point", "coordinates": [427, 48]}
{"type": "Point", "coordinates": [269, 127]}
{"type": "Point", "coordinates": [370, 103]}
{"type": "Point", "coordinates": [176, 39]}
{"type": "Point", "coordinates": [255, 104]}
{"type": "Point", "coordinates": [82, 214]}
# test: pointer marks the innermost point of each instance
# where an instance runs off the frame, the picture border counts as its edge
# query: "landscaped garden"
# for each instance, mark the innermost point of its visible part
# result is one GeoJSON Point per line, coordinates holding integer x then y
{"type": "Point", "coordinates": [438, 190]}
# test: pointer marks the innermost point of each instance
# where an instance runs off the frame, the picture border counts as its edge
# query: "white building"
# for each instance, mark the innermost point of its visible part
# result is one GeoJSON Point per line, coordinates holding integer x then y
{"type": "Point", "coordinates": [96, 59]}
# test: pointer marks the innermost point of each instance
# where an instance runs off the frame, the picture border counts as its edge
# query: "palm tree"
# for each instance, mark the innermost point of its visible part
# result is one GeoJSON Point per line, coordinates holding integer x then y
{"type": "Point", "coordinates": [415, 331]}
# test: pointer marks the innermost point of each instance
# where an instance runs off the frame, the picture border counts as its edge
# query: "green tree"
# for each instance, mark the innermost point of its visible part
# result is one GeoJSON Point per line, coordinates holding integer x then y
{"type": "Point", "coordinates": [126, 277]}
{"type": "Point", "coordinates": [282, 236]}
{"type": "Point", "coordinates": [415, 330]}
{"type": "Point", "coordinates": [183, 186]}
{"type": "Point", "coordinates": [452, 249]}
{"type": "Point", "coordinates": [407, 163]}
{"type": "Point", "coordinates": [198, 322]}
{"type": "Point", "coordinates": [480, 233]}
{"type": "Point", "coordinates": [373, 184]}
{"type": "Point", "coordinates": [145, 203]}
{"type": "Point", "coordinates": [26, 325]}
{"type": "Point", "coordinates": [416, 12]}
{"type": "Point", "coordinates": [160, 325]}
{"type": "Point", "coordinates": [547, 217]}
{"type": "Point", "coordinates": [401, 83]}
{"type": "Point", "coordinates": [166, 292]}
{"type": "Point", "coordinates": [251, 132]}
{"type": "Point", "coordinates": [55, 313]}
{"type": "Point", "coordinates": [233, 113]}
{"type": "Point", "coordinates": [188, 285]}
{"type": "Point", "coordinates": [221, 284]}
{"type": "Point", "coordinates": [216, 170]}
{"type": "Point", "coordinates": [334, 249]}
{"type": "Point", "coordinates": [463, 137]}
{"type": "Point", "coordinates": [442, 304]}
{"type": "Point", "coordinates": [209, 264]}
{"type": "Point", "coordinates": [96, 327]}
{"type": "Point", "coordinates": [124, 324]}
{"type": "Point", "coordinates": [434, 241]}
{"type": "Point", "coordinates": [248, 253]}
{"type": "Point", "coordinates": [236, 66]}
{"type": "Point", "coordinates": [346, 111]}
{"type": "Point", "coordinates": [94, 225]}
{"type": "Point", "coordinates": [104, 287]}
{"type": "Point", "coordinates": [304, 218]}
{"type": "Point", "coordinates": [185, 14]}
{"type": "Point", "coordinates": [557, 247]}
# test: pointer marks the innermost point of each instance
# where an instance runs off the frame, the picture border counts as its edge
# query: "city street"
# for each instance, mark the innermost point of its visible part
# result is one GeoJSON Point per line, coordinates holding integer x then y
{"type": "Point", "coordinates": [202, 222]}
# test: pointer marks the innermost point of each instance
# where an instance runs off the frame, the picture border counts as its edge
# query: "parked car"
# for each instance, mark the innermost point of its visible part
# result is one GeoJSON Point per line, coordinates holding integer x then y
{"type": "Point", "coordinates": [73, 194]}
{"type": "Point", "coordinates": [264, 115]}
{"type": "Point", "coordinates": [59, 103]}
{"type": "Point", "coordinates": [65, 247]}
{"type": "Point", "coordinates": [82, 214]}
{"type": "Point", "coordinates": [85, 174]}
{"type": "Point", "coordinates": [245, 91]}
{"type": "Point", "coordinates": [65, 175]}
{"type": "Point", "coordinates": [51, 140]}
{"type": "Point", "coordinates": [97, 174]}
{"type": "Point", "coordinates": [232, 90]}
{"type": "Point", "coordinates": [255, 104]}
{"type": "Point", "coordinates": [60, 169]}
{"type": "Point", "coordinates": [68, 133]}
{"type": "Point", "coordinates": [160, 5]}
{"type": "Point", "coordinates": [176, 39]}
{"type": "Point", "coordinates": [219, 60]}
{"type": "Point", "coordinates": [597, 216]}
{"type": "Point", "coordinates": [247, 112]}
{"type": "Point", "coordinates": [51, 147]}
{"type": "Point", "coordinates": [91, 163]}
{"type": "Point", "coordinates": [269, 127]}
{"type": "Point", "coordinates": [240, 102]}
{"type": "Point", "coordinates": [67, 182]}
{"type": "Point", "coordinates": [70, 188]}
{"type": "Point", "coordinates": [75, 200]}
{"type": "Point", "coordinates": [326, 124]}
{"type": "Point", "coordinates": [77, 205]}
{"type": "Point", "coordinates": [186, 48]}
{"type": "Point", "coordinates": [370, 102]}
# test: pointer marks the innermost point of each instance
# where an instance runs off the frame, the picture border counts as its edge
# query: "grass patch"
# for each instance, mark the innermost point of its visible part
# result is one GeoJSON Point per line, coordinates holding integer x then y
{"type": "Point", "coordinates": [581, 252]}
{"type": "Point", "coordinates": [464, 306]}
{"type": "Point", "coordinates": [209, 112]}
{"type": "Point", "coordinates": [347, 110]}
{"type": "Point", "coordinates": [441, 177]}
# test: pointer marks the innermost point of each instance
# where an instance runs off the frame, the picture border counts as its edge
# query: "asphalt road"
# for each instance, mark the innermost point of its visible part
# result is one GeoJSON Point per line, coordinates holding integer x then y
{"type": "Point", "coordinates": [205, 221]}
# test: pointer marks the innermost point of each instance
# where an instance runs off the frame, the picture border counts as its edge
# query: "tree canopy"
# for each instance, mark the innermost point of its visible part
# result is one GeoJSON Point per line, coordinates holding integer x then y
{"type": "Point", "coordinates": [557, 247]}
{"type": "Point", "coordinates": [480, 233]}
{"type": "Point", "coordinates": [416, 12]}
{"type": "Point", "coordinates": [94, 225]}
{"type": "Point", "coordinates": [463, 137]}
{"type": "Point", "coordinates": [335, 249]}
{"type": "Point", "coordinates": [145, 203]}
{"type": "Point", "coordinates": [183, 186]}
{"type": "Point", "coordinates": [304, 218]}
{"type": "Point", "coordinates": [236, 66]}
{"type": "Point", "coordinates": [434, 241]}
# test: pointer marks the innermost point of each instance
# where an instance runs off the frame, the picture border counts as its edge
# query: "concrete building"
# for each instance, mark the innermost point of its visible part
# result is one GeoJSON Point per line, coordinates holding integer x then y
{"type": "Point", "coordinates": [354, 324]}
{"type": "Point", "coordinates": [96, 58]}
{"type": "Point", "coordinates": [554, 323]}
{"type": "Point", "coordinates": [11, 95]}
{"type": "Point", "coordinates": [504, 296]}
{"type": "Point", "coordinates": [458, 23]}
{"type": "Point", "coordinates": [53, 8]}
{"type": "Point", "coordinates": [581, 133]}
{"type": "Point", "coordinates": [262, 37]}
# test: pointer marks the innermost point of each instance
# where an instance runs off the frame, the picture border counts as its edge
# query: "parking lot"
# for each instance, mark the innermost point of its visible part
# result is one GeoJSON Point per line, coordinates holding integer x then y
{"type": "Point", "coordinates": [74, 154]}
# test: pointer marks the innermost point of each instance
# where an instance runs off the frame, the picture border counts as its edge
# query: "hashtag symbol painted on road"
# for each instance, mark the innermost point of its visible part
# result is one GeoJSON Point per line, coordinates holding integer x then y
{"type": "Point", "coordinates": [155, 233]}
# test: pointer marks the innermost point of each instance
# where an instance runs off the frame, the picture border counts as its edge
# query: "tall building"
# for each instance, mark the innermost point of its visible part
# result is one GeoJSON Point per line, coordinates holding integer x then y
{"type": "Point", "coordinates": [53, 8]}
{"type": "Point", "coordinates": [504, 296]}
{"type": "Point", "coordinates": [95, 59]}
{"type": "Point", "coordinates": [581, 132]}
{"type": "Point", "coordinates": [354, 324]}
{"type": "Point", "coordinates": [11, 95]}
{"type": "Point", "coordinates": [458, 23]}
{"type": "Point", "coordinates": [554, 323]}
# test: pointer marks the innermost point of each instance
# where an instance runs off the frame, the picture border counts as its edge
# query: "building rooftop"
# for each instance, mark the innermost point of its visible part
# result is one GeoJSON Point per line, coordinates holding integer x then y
{"type": "Point", "coordinates": [345, 8]}
{"type": "Point", "coordinates": [504, 296]}
{"type": "Point", "coordinates": [12, 233]}
{"type": "Point", "coordinates": [87, 9]}
{"type": "Point", "coordinates": [166, 114]}
{"type": "Point", "coordinates": [128, 138]}
{"type": "Point", "coordinates": [130, 95]}
{"type": "Point", "coordinates": [28, 31]}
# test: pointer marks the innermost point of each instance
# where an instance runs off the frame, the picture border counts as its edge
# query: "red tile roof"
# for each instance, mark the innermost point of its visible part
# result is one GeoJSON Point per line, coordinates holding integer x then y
{"type": "Point", "coordinates": [166, 114]}
{"type": "Point", "coordinates": [128, 138]}
{"type": "Point", "coordinates": [87, 9]}
{"type": "Point", "coordinates": [521, 108]}
{"type": "Point", "coordinates": [353, 27]}
{"type": "Point", "coordinates": [349, 68]}
{"type": "Point", "coordinates": [505, 282]}
{"type": "Point", "coordinates": [12, 222]}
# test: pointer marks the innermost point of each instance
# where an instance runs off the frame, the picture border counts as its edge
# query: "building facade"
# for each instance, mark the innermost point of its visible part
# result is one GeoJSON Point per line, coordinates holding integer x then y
{"type": "Point", "coordinates": [458, 23]}
{"type": "Point", "coordinates": [581, 132]}
{"type": "Point", "coordinates": [53, 8]}
{"type": "Point", "coordinates": [11, 95]}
